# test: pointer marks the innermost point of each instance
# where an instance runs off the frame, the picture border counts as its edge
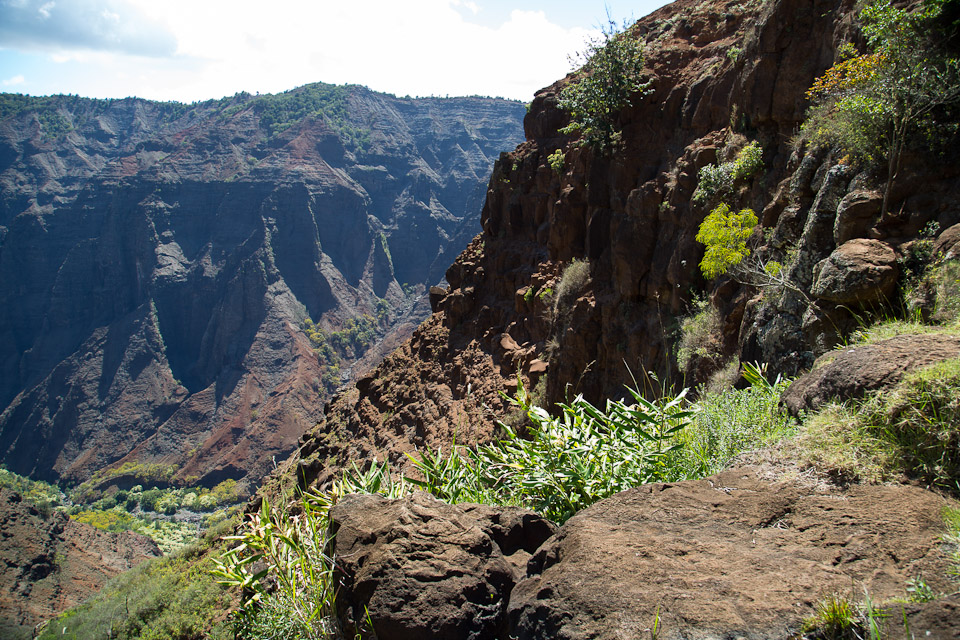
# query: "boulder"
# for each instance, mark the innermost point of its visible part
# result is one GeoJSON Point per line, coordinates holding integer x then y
{"type": "Point", "coordinates": [855, 214]}
{"type": "Point", "coordinates": [731, 556]}
{"type": "Point", "coordinates": [860, 271]}
{"type": "Point", "coordinates": [426, 569]}
{"type": "Point", "coordinates": [852, 372]}
{"type": "Point", "coordinates": [947, 243]}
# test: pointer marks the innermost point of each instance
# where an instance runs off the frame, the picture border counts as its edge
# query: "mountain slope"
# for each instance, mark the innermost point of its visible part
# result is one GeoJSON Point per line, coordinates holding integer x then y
{"type": "Point", "coordinates": [157, 262]}
{"type": "Point", "coordinates": [722, 75]}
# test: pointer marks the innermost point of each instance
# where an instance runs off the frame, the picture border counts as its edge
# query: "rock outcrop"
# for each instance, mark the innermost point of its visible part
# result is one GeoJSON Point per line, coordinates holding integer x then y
{"type": "Point", "coordinates": [423, 568]}
{"type": "Point", "coordinates": [157, 262]}
{"type": "Point", "coordinates": [51, 563]}
{"type": "Point", "coordinates": [852, 372]}
{"type": "Point", "coordinates": [735, 555]}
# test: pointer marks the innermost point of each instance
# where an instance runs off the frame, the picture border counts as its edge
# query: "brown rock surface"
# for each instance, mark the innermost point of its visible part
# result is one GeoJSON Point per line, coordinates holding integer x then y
{"type": "Point", "coordinates": [852, 372]}
{"type": "Point", "coordinates": [426, 569]}
{"type": "Point", "coordinates": [49, 564]}
{"type": "Point", "coordinates": [731, 556]}
{"type": "Point", "coordinates": [859, 272]}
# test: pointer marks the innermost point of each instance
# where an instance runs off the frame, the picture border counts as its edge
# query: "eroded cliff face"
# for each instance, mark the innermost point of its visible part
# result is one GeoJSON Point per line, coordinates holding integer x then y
{"type": "Point", "coordinates": [723, 74]}
{"type": "Point", "coordinates": [157, 262]}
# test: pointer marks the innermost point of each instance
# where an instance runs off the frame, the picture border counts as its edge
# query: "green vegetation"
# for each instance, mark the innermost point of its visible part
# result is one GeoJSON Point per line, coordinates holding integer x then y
{"type": "Point", "coordinates": [573, 279]}
{"type": "Point", "coordinates": [171, 598]}
{"type": "Point", "coordinates": [43, 495]}
{"type": "Point", "coordinates": [280, 562]}
{"type": "Point", "coordinates": [610, 80]}
{"type": "Point", "coordinates": [716, 181]}
{"type": "Point", "coordinates": [569, 462]}
{"type": "Point", "coordinates": [349, 343]}
{"type": "Point", "coordinates": [904, 90]}
{"type": "Point", "coordinates": [279, 112]}
{"type": "Point", "coordinates": [556, 160]}
{"type": "Point", "coordinates": [724, 234]}
{"type": "Point", "coordinates": [699, 336]}
{"type": "Point", "coordinates": [912, 430]}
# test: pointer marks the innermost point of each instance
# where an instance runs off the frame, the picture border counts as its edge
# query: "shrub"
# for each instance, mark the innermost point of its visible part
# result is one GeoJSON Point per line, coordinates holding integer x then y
{"type": "Point", "coordinates": [713, 181]}
{"type": "Point", "coordinates": [699, 337]}
{"type": "Point", "coordinates": [609, 81]}
{"type": "Point", "coordinates": [556, 160]}
{"type": "Point", "coordinates": [172, 598]}
{"type": "Point", "coordinates": [749, 161]}
{"type": "Point", "coordinates": [569, 462]}
{"type": "Point", "coordinates": [716, 181]}
{"type": "Point", "coordinates": [724, 234]}
{"type": "Point", "coordinates": [873, 105]}
{"type": "Point", "coordinates": [573, 279]}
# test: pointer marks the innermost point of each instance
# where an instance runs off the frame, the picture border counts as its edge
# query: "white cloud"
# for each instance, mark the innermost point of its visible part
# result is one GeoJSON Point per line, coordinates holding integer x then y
{"type": "Point", "coordinates": [15, 80]}
{"type": "Point", "coordinates": [220, 47]}
{"type": "Point", "coordinates": [96, 25]}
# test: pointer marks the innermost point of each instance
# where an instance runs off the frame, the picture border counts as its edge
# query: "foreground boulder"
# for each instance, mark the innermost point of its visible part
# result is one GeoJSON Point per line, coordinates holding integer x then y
{"type": "Point", "coordinates": [735, 555]}
{"type": "Point", "coordinates": [731, 556]}
{"type": "Point", "coordinates": [855, 371]}
{"type": "Point", "coordinates": [426, 569]}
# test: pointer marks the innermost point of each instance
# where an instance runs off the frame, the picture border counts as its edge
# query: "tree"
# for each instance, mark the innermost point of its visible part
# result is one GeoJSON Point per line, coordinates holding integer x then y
{"type": "Point", "coordinates": [610, 79]}
{"type": "Point", "coordinates": [725, 233]}
{"type": "Point", "coordinates": [873, 104]}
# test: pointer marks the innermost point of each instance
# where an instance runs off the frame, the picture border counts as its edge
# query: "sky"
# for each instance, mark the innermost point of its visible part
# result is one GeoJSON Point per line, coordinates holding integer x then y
{"type": "Point", "coordinates": [190, 50]}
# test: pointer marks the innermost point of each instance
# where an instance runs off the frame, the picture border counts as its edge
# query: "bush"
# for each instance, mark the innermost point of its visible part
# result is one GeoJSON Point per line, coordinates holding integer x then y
{"type": "Point", "coordinates": [609, 81]}
{"type": "Point", "coordinates": [699, 338]}
{"type": "Point", "coordinates": [716, 181]}
{"type": "Point", "coordinates": [172, 598]}
{"type": "Point", "coordinates": [569, 462]}
{"type": "Point", "coordinates": [873, 105]}
{"type": "Point", "coordinates": [573, 279]}
{"type": "Point", "coordinates": [556, 160]}
{"type": "Point", "coordinates": [724, 234]}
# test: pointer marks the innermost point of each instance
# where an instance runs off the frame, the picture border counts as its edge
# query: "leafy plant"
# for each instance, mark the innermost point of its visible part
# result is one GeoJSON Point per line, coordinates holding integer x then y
{"type": "Point", "coordinates": [556, 160]}
{"type": "Point", "coordinates": [568, 462]}
{"type": "Point", "coordinates": [290, 550]}
{"type": "Point", "coordinates": [716, 181]}
{"type": "Point", "coordinates": [172, 598]}
{"type": "Point", "coordinates": [873, 104]}
{"type": "Point", "coordinates": [724, 233]}
{"type": "Point", "coordinates": [610, 80]}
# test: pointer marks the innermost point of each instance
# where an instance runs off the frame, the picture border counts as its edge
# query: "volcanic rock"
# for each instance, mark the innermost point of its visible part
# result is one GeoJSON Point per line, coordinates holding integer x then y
{"type": "Point", "coordinates": [423, 568]}
{"type": "Point", "coordinates": [852, 372]}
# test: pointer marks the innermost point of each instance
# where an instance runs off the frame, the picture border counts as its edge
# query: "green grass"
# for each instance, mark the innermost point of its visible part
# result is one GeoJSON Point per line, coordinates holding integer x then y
{"type": "Point", "coordinates": [912, 430]}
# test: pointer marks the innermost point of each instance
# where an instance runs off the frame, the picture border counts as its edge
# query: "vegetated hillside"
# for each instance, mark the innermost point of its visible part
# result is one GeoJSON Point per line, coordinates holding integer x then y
{"type": "Point", "coordinates": [159, 263]}
{"type": "Point", "coordinates": [722, 75]}
{"type": "Point", "coordinates": [52, 563]}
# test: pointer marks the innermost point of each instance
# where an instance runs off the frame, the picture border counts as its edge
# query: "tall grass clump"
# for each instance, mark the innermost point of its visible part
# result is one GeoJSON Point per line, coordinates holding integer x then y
{"type": "Point", "coordinates": [279, 561]}
{"type": "Point", "coordinates": [730, 422]}
{"type": "Point", "coordinates": [573, 279]}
